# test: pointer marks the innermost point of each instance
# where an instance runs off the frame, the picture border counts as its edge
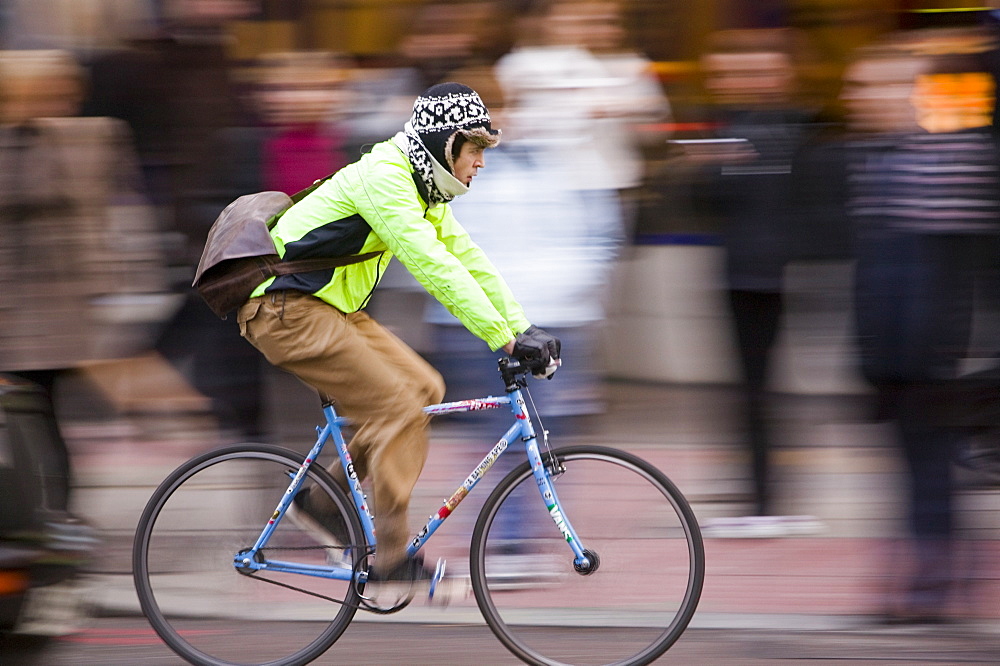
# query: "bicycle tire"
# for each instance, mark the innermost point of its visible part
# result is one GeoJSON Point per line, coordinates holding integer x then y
{"type": "Point", "coordinates": [651, 562]}
{"type": "Point", "coordinates": [195, 522]}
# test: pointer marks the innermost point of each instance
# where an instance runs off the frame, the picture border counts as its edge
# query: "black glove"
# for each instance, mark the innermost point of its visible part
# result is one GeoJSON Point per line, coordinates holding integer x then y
{"type": "Point", "coordinates": [538, 349]}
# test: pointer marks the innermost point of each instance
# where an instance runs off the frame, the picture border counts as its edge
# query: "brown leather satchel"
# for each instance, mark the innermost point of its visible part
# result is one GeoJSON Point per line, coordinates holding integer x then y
{"type": "Point", "coordinates": [239, 253]}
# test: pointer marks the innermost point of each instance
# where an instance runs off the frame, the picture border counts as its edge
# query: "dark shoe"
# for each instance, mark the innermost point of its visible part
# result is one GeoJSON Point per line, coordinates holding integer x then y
{"type": "Point", "coordinates": [406, 578]}
{"type": "Point", "coordinates": [327, 528]}
{"type": "Point", "coordinates": [409, 570]}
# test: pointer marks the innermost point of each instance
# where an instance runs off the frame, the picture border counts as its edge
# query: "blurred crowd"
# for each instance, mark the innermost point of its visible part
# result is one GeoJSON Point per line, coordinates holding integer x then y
{"type": "Point", "coordinates": [127, 126]}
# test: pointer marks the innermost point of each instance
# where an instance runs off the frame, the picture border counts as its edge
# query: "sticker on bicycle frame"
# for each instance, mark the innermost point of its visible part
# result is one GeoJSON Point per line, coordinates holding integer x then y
{"type": "Point", "coordinates": [560, 523]}
{"type": "Point", "coordinates": [521, 413]}
{"type": "Point", "coordinates": [462, 492]}
{"type": "Point", "coordinates": [299, 474]}
{"type": "Point", "coordinates": [452, 502]}
{"type": "Point", "coordinates": [487, 462]}
{"type": "Point", "coordinates": [422, 533]}
{"type": "Point", "coordinates": [473, 405]}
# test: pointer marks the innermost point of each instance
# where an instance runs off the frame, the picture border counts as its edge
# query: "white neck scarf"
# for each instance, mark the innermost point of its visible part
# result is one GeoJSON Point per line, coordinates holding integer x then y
{"type": "Point", "coordinates": [441, 184]}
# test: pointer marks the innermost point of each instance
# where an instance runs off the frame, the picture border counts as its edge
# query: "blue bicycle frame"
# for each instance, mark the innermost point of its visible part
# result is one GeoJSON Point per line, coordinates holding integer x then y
{"type": "Point", "coordinates": [522, 430]}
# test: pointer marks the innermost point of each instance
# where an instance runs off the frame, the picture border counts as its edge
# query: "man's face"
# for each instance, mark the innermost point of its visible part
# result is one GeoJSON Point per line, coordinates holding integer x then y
{"type": "Point", "coordinates": [749, 78]}
{"type": "Point", "coordinates": [877, 94]}
{"type": "Point", "coordinates": [471, 158]}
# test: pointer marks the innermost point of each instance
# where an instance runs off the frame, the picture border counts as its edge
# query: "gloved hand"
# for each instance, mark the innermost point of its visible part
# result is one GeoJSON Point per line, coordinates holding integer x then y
{"type": "Point", "coordinates": [539, 350]}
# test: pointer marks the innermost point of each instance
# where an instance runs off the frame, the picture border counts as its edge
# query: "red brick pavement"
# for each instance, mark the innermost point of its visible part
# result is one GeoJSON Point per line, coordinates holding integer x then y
{"type": "Point", "coordinates": [833, 576]}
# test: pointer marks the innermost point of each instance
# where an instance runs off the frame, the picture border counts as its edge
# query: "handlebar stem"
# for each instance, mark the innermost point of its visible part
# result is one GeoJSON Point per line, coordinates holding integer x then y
{"type": "Point", "coordinates": [513, 373]}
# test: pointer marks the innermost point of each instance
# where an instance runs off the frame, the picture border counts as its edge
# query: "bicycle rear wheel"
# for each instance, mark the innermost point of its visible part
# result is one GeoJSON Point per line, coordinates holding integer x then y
{"type": "Point", "coordinates": [644, 535]}
{"type": "Point", "coordinates": [209, 509]}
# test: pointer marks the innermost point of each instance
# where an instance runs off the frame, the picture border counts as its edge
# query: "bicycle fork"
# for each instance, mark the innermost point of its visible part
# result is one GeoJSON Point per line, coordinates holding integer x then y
{"type": "Point", "coordinates": [585, 561]}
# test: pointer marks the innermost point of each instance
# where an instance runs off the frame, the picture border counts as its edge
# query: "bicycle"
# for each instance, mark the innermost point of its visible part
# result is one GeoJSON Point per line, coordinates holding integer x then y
{"type": "Point", "coordinates": [212, 586]}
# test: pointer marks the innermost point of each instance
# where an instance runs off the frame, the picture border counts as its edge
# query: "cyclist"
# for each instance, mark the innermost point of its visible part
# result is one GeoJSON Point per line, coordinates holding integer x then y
{"type": "Point", "coordinates": [394, 201]}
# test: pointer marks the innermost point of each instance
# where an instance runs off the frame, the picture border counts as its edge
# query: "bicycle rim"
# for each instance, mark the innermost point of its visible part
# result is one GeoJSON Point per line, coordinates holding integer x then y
{"type": "Point", "coordinates": [651, 562]}
{"type": "Point", "coordinates": [211, 508]}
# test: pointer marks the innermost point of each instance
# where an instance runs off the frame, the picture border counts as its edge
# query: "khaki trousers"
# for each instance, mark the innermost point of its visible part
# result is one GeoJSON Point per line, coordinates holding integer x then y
{"type": "Point", "coordinates": [375, 379]}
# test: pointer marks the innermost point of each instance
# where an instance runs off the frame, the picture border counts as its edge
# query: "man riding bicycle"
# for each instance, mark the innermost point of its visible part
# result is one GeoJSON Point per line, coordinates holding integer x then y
{"type": "Point", "coordinates": [393, 201]}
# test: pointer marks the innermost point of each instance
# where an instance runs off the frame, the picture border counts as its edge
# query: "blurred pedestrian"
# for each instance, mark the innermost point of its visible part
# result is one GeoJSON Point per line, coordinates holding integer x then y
{"type": "Point", "coordinates": [633, 109]}
{"type": "Point", "coordinates": [578, 109]}
{"type": "Point", "coordinates": [441, 37]}
{"type": "Point", "coordinates": [293, 101]}
{"type": "Point", "coordinates": [925, 200]}
{"type": "Point", "coordinates": [749, 177]}
{"type": "Point", "coordinates": [81, 268]}
{"type": "Point", "coordinates": [169, 78]}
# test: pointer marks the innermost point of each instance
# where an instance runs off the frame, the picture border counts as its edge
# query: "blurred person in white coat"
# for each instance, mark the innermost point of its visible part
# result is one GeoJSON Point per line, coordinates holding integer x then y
{"type": "Point", "coordinates": [578, 97]}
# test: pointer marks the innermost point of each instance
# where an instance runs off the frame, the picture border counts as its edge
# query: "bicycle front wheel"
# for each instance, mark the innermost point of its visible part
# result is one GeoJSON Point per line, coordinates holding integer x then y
{"type": "Point", "coordinates": [639, 530]}
{"type": "Point", "coordinates": [208, 510]}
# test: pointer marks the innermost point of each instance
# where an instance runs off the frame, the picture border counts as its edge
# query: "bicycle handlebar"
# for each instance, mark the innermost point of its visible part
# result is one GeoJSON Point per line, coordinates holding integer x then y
{"type": "Point", "coordinates": [514, 366]}
{"type": "Point", "coordinates": [513, 370]}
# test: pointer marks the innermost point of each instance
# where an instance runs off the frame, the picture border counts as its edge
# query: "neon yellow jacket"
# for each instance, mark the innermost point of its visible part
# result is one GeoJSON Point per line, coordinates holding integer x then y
{"type": "Point", "coordinates": [373, 205]}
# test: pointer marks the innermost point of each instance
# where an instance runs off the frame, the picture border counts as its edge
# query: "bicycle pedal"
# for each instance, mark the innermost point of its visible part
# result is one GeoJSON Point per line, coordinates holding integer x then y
{"type": "Point", "coordinates": [447, 588]}
{"type": "Point", "coordinates": [439, 571]}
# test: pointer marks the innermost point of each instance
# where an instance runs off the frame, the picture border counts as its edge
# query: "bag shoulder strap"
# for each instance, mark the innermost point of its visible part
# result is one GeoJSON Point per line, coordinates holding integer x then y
{"type": "Point", "coordinates": [301, 194]}
{"type": "Point", "coordinates": [319, 264]}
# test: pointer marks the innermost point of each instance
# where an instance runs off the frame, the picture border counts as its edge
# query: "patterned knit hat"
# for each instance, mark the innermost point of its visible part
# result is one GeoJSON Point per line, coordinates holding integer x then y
{"type": "Point", "coordinates": [444, 110]}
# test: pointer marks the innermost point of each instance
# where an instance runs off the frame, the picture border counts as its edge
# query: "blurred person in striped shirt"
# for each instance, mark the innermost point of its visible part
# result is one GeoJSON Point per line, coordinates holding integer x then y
{"type": "Point", "coordinates": [924, 199]}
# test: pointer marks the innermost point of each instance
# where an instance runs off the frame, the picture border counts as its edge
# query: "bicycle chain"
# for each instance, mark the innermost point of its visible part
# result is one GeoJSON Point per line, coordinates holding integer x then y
{"type": "Point", "coordinates": [254, 575]}
{"type": "Point", "coordinates": [363, 605]}
{"type": "Point", "coordinates": [297, 589]}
